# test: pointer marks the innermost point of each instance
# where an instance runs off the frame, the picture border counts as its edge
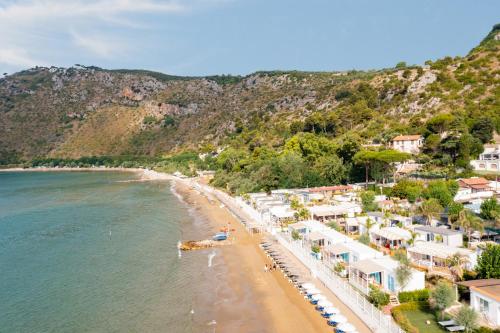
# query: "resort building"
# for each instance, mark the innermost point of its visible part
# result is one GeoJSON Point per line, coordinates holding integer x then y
{"type": "Point", "coordinates": [349, 252]}
{"type": "Point", "coordinates": [326, 213]}
{"type": "Point", "coordinates": [485, 299]}
{"type": "Point", "coordinates": [408, 143]}
{"type": "Point", "coordinates": [489, 160]}
{"type": "Point", "coordinates": [281, 214]}
{"type": "Point", "coordinates": [435, 255]}
{"type": "Point", "coordinates": [306, 227]}
{"type": "Point", "coordinates": [327, 237]}
{"type": "Point", "coordinates": [381, 272]}
{"type": "Point", "coordinates": [329, 191]}
{"type": "Point", "coordinates": [390, 237]}
{"type": "Point", "coordinates": [475, 188]}
{"type": "Point", "coordinates": [448, 237]}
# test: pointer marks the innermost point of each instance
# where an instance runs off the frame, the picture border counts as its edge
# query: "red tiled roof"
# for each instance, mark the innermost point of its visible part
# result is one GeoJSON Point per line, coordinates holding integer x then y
{"type": "Point", "coordinates": [331, 188]}
{"type": "Point", "coordinates": [474, 181]}
{"type": "Point", "coordinates": [407, 137]}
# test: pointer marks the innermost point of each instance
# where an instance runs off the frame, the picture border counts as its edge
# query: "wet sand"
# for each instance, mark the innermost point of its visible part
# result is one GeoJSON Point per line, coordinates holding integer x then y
{"type": "Point", "coordinates": [254, 300]}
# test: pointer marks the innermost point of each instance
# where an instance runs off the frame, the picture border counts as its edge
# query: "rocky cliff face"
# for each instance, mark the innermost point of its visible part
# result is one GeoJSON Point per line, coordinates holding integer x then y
{"type": "Point", "coordinates": [90, 111]}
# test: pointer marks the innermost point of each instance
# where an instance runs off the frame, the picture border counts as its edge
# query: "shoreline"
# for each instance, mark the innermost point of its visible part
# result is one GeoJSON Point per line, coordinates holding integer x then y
{"type": "Point", "coordinates": [254, 300]}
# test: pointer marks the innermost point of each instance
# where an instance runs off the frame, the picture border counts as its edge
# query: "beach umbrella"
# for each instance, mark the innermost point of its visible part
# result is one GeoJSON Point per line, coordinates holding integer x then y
{"type": "Point", "coordinates": [313, 291]}
{"type": "Point", "coordinates": [331, 310]}
{"type": "Point", "coordinates": [308, 285]}
{"type": "Point", "coordinates": [318, 297]}
{"type": "Point", "coordinates": [346, 328]}
{"type": "Point", "coordinates": [337, 319]}
{"type": "Point", "coordinates": [325, 303]}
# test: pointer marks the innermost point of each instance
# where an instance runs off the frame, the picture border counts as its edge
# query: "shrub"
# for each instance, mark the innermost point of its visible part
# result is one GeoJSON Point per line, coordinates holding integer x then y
{"type": "Point", "coordinates": [416, 295]}
{"type": "Point", "coordinates": [400, 318]}
{"type": "Point", "coordinates": [377, 297]}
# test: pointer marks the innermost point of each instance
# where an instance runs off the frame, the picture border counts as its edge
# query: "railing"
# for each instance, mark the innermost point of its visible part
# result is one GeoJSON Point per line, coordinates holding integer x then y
{"type": "Point", "coordinates": [357, 302]}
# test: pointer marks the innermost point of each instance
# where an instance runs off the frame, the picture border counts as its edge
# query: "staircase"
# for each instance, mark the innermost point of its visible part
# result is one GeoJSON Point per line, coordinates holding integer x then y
{"type": "Point", "coordinates": [393, 300]}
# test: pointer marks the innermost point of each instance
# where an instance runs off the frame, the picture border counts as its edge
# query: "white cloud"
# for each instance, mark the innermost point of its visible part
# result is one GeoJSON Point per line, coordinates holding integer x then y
{"type": "Point", "coordinates": [17, 57]}
{"type": "Point", "coordinates": [102, 47]}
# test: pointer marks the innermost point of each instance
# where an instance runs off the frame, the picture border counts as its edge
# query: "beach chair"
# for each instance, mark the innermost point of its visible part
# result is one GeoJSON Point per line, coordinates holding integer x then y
{"type": "Point", "coordinates": [447, 323]}
{"type": "Point", "coordinates": [455, 328]}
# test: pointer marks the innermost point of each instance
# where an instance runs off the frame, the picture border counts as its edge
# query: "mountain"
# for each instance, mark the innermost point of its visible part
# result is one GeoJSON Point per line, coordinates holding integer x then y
{"type": "Point", "coordinates": [85, 111]}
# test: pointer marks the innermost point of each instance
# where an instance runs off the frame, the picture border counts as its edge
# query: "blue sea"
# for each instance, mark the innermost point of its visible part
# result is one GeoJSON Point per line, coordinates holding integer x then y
{"type": "Point", "coordinates": [97, 252]}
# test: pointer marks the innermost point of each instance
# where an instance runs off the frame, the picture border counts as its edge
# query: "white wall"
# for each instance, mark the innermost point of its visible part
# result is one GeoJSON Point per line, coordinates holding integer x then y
{"type": "Point", "coordinates": [493, 314]}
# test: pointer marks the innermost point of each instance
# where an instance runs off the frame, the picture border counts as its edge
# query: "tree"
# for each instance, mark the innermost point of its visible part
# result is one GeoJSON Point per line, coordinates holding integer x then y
{"type": "Point", "coordinates": [407, 189]}
{"type": "Point", "coordinates": [468, 318]}
{"type": "Point", "coordinates": [403, 274]}
{"type": "Point", "coordinates": [334, 225]}
{"type": "Point", "coordinates": [488, 263]}
{"type": "Point", "coordinates": [490, 208]}
{"type": "Point", "coordinates": [377, 297]}
{"type": "Point", "coordinates": [443, 296]}
{"type": "Point", "coordinates": [454, 209]}
{"type": "Point", "coordinates": [403, 271]}
{"type": "Point", "coordinates": [367, 199]}
{"type": "Point", "coordinates": [439, 190]}
{"type": "Point", "coordinates": [364, 239]}
{"type": "Point", "coordinates": [429, 209]}
{"type": "Point", "coordinates": [296, 235]}
{"type": "Point", "coordinates": [331, 168]}
{"type": "Point", "coordinates": [456, 263]}
{"type": "Point", "coordinates": [401, 65]}
{"type": "Point", "coordinates": [413, 237]}
{"type": "Point", "coordinates": [302, 214]}
{"type": "Point", "coordinates": [483, 129]}
{"type": "Point", "coordinates": [469, 222]}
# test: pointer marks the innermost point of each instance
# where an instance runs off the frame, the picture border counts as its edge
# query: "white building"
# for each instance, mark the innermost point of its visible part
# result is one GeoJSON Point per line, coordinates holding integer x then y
{"type": "Point", "coordinates": [332, 212]}
{"type": "Point", "coordinates": [350, 252]}
{"type": "Point", "coordinates": [390, 237]}
{"type": "Point", "coordinates": [453, 238]}
{"type": "Point", "coordinates": [485, 299]}
{"type": "Point", "coordinates": [489, 160]}
{"type": "Point", "coordinates": [408, 143]}
{"type": "Point", "coordinates": [381, 272]}
{"type": "Point", "coordinates": [433, 255]}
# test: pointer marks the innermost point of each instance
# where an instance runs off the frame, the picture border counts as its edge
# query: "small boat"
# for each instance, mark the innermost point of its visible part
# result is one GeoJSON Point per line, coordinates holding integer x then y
{"type": "Point", "coordinates": [220, 236]}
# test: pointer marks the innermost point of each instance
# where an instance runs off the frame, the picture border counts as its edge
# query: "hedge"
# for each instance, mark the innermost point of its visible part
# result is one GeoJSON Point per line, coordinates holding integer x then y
{"type": "Point", "coordinates": [402, 320]}
{"type": "Point", "coordinates": [414, 296]}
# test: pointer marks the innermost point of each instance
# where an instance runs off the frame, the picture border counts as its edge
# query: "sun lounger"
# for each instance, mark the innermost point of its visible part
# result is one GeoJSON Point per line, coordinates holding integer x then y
{"type": "Point", "coordinates": [455, 328]}
{"type": "Point", "coordinates": [447, 323]}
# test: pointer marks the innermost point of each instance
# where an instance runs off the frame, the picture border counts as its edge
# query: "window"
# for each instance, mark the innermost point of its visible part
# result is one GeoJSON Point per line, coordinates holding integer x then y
{"type": "Point", "coordinates": [484, 305]}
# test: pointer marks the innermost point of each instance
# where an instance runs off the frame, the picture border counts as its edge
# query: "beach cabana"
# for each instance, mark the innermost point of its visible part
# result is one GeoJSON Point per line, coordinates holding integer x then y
{"type": "Point", "coordinates": [381, 272]}
{"type": "Point", "coordinates": [350, 252]}
{"type": "Point", "coordinates": [390, 237]}
{"type": "Point", "coordinates": [432, 255]}
{"type": "Point", "coordinates": [345, 328]}
{"type": "Point", "coordinates": [337, 320]}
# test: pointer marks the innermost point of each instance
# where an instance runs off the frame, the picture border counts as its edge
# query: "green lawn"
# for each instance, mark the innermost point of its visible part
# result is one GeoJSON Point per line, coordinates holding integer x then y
{"type": "Point", "coordinates": [418, 318]}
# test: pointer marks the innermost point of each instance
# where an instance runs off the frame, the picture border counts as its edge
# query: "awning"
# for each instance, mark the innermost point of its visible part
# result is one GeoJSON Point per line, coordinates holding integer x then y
{"type": "Point", "coordinates": [314, 236]}
{"type": "Point", "coordinates": [337, 249]}
{"type": "Point", "coordinates": [367, 266]}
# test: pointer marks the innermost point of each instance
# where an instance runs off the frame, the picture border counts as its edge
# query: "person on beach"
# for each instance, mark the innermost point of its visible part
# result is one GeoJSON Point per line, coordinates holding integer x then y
{"type": "Point", "coordinates": [265, 268]}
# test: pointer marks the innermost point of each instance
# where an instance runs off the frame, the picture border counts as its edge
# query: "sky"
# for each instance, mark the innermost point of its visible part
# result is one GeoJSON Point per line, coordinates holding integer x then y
{"type": "Point", "coordinates": [207, 37]}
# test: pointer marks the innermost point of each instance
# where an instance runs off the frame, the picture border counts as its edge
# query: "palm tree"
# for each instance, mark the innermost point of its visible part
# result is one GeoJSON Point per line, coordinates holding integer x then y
{"type": "Point", "coordinates": [369, 224]}
{"type": "Point", "coordinates": [414, 236]}
{"type": "Point", "coordinates": [429, 209]}
{"type": "Point", "coordinates": [468, 221]}
{"type": "Point", "coordinates": [456, 263]}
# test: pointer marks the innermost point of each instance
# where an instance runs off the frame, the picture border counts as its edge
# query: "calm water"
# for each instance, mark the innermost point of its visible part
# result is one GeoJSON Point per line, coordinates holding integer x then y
{"type": "Point", "coordinates": [94, 252]}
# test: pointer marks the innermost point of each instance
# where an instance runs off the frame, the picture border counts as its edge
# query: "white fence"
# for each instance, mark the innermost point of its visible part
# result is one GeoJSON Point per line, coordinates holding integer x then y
{"type": "Point", "coordinates": [357, 302]}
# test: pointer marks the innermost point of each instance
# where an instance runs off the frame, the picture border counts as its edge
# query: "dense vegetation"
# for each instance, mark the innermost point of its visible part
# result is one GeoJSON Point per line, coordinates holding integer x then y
{"type": "Point", "coordinates": [265, 130]}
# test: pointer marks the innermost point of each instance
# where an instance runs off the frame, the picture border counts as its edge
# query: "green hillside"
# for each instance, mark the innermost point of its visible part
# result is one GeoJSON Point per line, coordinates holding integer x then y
{"type": "Point", "coordinates": [303, 128]}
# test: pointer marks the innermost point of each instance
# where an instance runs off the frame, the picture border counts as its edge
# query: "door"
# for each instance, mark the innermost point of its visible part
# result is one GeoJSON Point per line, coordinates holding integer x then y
{"type": "Point", "coordinates": [391, 284]}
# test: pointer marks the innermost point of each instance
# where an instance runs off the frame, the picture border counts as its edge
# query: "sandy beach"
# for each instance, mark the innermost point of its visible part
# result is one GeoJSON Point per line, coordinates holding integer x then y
{"type": "Point", "coordinates": [254, 300]}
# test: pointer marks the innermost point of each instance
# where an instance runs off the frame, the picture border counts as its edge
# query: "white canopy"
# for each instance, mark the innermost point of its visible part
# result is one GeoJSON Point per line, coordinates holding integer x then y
{"type": "Point", "coordinates": [308, 285]}
{"type": "Point", "coordinates": [438, 250]}
{"type": "Point", "coordinates": [339, 319]}
{"type": "Point", "coordinates": [313, 291]}
{"type": "Point", "coordinates": [346, 327]}
{"type": "Point", "coordinates": [331, 310]}
{"type": "Point", "coordinates": [393, 233]}
{"type": "Point", "coordinates": [318, 297]}
{"type": "Point", "coordinates": [325, 303]}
